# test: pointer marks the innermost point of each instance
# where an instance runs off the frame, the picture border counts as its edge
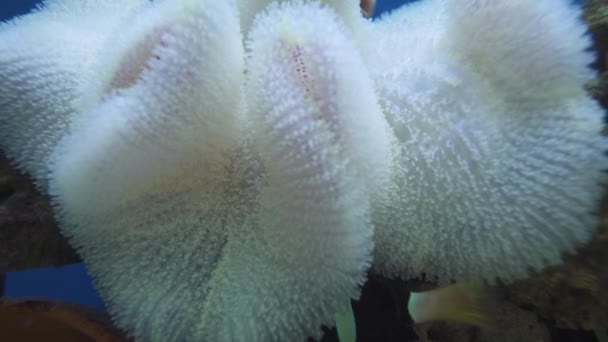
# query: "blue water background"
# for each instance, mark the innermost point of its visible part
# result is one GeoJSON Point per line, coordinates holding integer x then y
{"type": "Point", "coordinates": [71, 282]}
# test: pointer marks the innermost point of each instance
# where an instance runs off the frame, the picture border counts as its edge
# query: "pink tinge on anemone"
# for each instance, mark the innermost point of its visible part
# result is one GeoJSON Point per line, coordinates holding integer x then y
{"type": "Point", "coordinates": [301, 70]}
{"type": "Point", "coordinates": [316, 82]}
{"type": "Point", "coordinates": [138, 59]}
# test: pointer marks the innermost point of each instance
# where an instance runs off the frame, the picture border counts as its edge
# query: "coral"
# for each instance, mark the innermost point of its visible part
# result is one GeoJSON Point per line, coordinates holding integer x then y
{"type": "Point", "coordinates": [571, 294]}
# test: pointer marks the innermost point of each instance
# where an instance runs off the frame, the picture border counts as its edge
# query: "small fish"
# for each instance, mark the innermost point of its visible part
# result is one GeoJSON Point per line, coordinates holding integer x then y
{"type": "Point", "coordinates": [367, 7]}
{"type": "Point", "coordinates": [460, 302]}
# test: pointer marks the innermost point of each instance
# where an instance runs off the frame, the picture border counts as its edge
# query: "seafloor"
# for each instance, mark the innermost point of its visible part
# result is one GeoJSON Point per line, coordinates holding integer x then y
{"type": "Point", "coordinates": [563, 303]}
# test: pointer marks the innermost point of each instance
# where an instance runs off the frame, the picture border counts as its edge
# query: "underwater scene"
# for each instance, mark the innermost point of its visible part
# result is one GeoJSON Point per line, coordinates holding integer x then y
{"type": "Point", "coordinates": [304, 170]}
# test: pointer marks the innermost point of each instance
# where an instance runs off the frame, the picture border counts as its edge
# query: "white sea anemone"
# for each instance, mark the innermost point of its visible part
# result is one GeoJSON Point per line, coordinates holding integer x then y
{"type": "Point", "coordinates": [222, 193]}
{"type": "Point", "coordinates": [501, 156]}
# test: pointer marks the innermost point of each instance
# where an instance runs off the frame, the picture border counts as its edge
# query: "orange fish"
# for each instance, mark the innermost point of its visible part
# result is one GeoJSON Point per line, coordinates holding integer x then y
{"type": "Point", "coordinates": [367, 7]}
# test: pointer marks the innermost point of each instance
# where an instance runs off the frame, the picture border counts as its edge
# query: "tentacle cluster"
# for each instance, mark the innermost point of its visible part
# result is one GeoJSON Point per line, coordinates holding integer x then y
{"type": "Point", "coordinates": [221, 188]}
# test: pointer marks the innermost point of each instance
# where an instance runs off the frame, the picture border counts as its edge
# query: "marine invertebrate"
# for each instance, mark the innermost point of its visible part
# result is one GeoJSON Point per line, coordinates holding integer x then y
{"type": "Point", "coordinates": [501, 155]}
{"type": "Point", "coordinates": [228, 243]}
{"type": "Point", "coordinates": [218, 194]}
{"type": "Point", "coordinates": [43, 70]}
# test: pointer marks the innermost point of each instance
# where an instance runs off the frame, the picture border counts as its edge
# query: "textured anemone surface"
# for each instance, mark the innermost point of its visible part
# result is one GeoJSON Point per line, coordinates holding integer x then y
{"type": "Point", "coordinates": [227, 169]}
{"type": "Point", "coordinates": [45, 60]}
{"type": "Point", "coordinates": [197, 229]}
{"type": "Point", "coordinates": [500, 153]}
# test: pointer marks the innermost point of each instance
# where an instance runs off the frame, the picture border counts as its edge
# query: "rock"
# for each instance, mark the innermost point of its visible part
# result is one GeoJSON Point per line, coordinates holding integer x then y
{"type": "Point", "coordinates": [570, 295]}
{"type": "Point", "coordinates": [596, 15]}
{"type": "Point", "coordinates": [29, 236]}
{"type": "Point", "coordinates": [40, 319]}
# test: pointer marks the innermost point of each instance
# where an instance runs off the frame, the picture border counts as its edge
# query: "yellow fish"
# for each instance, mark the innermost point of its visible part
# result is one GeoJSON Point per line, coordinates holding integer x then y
{"type": "Point", "coordinates": [460, 302]}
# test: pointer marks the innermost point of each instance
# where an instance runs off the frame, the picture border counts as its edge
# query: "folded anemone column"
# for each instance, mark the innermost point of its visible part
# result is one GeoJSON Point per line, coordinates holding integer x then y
{"type": "Point", "coordinates": [199, 224]}
{"type": "Point", "coordinates": [142, 185]}
{"type": "Point", "coordinates": [45, 60]}
{"type": "Point", "coordinates": [316, 122]}
{"type": "Point", "coordinates": [501, 156]}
